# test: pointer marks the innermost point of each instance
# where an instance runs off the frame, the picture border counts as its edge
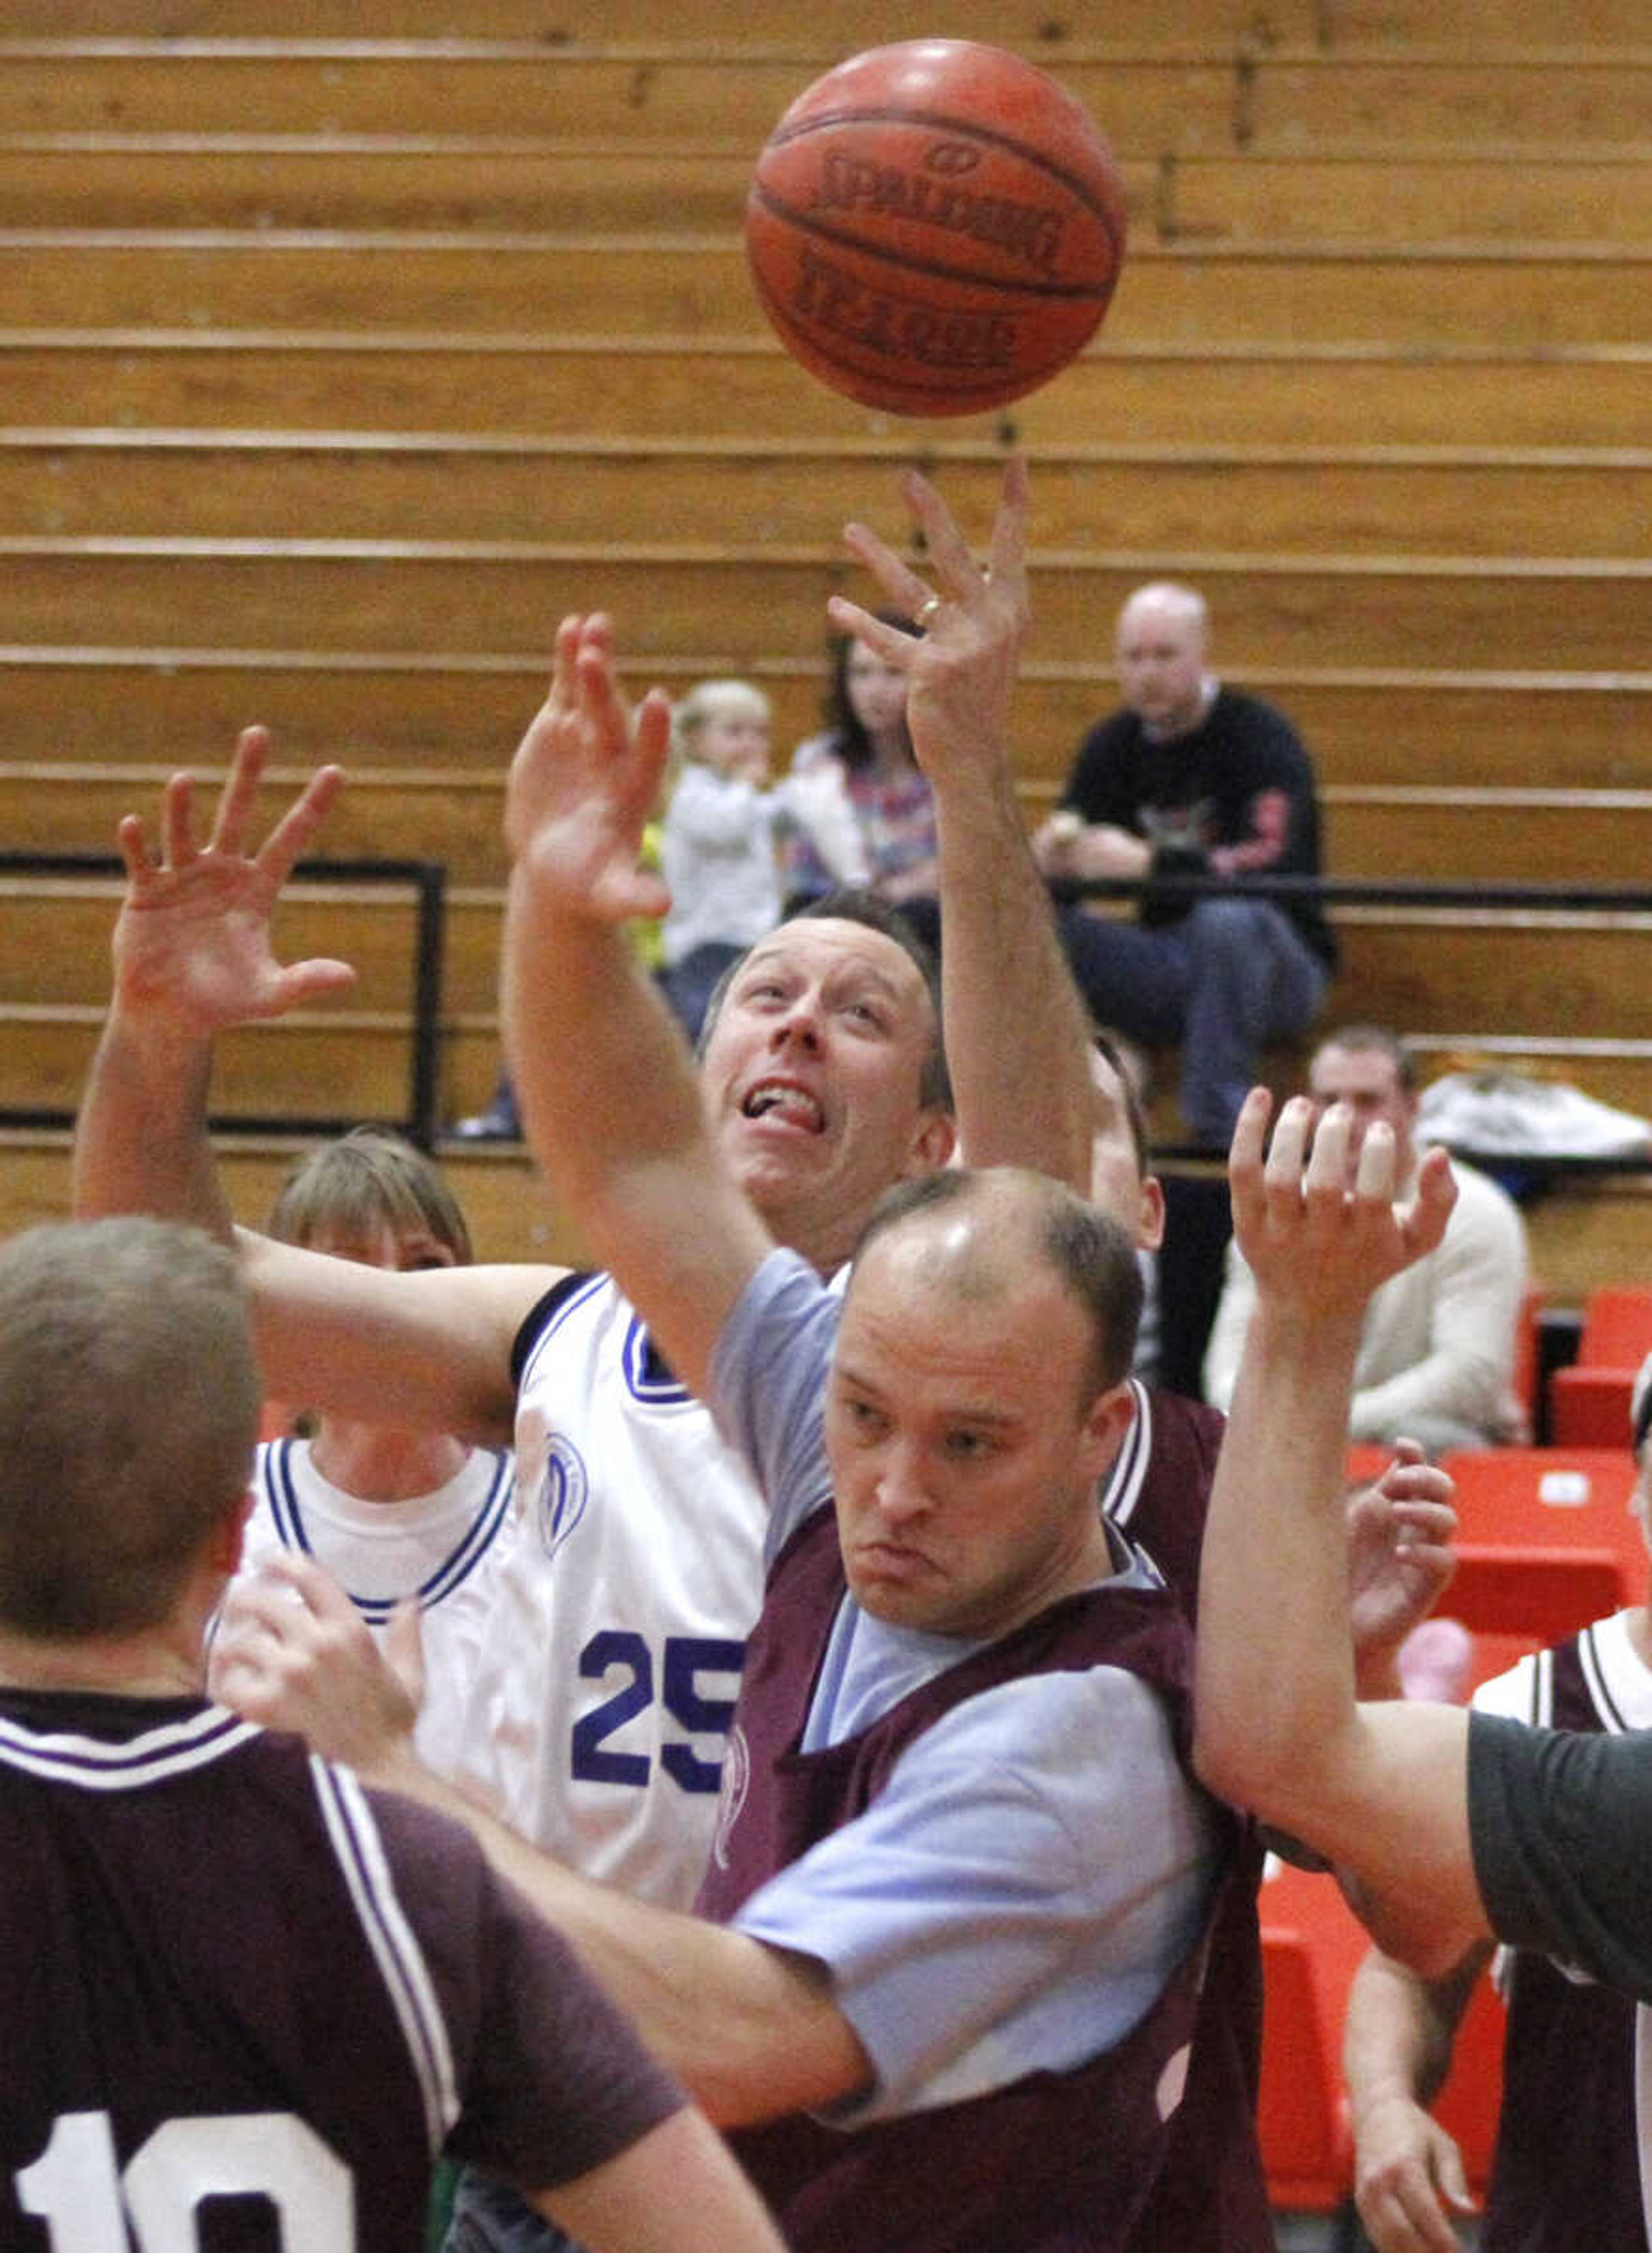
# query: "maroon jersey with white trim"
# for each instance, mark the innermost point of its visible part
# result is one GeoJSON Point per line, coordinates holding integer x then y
{"type": "Point", "coordinates": [246, 2000]}
{"type": "Point", "coordinates": [1150, 2145]}
{"type": "Point", "coordinates": [1159, 1493]}
{"type": "Point", "coordinates": [1158, 1488]}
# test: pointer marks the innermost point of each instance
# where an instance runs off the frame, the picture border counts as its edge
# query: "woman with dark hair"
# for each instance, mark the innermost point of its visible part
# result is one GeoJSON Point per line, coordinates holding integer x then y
{"type": "Point", "coordinates": [869, 744]}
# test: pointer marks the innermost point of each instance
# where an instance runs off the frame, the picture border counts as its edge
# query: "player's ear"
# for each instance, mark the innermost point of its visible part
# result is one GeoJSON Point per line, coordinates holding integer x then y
{"type": "Point", "coordinates": [1151, 1215]}
{"type": "Point", "coordinates": [1106, 1420]}
{"type": "Point", "coordinates": [934, 1142]}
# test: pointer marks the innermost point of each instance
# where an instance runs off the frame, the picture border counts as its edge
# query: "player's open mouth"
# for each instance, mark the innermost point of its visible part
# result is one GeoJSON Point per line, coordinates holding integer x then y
{"type": "Point", "coordinates": [780, 1099]}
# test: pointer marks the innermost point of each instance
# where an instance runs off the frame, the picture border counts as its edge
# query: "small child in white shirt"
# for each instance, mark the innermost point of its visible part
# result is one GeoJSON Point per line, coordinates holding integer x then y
{"type": "Point", "coordinates": [718, 841]}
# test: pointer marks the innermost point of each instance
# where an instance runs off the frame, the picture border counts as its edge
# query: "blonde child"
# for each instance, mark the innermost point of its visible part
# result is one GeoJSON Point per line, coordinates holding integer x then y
{"type": "Point", "coordinates": [718, 851]}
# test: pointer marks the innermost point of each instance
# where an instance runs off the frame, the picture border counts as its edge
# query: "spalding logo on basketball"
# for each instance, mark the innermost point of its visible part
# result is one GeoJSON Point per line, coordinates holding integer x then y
{"type": "Point", "coordinates": [934, 227]}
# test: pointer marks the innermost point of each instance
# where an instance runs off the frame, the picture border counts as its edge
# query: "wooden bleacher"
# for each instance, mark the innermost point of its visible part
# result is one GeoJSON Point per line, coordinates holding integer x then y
{"type": "Point", "coordinates": [340, 355]}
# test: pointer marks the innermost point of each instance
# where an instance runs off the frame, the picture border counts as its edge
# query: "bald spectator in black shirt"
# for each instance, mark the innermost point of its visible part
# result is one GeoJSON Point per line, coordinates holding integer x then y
{"type": "Point", "coordinates": [1192, 778]}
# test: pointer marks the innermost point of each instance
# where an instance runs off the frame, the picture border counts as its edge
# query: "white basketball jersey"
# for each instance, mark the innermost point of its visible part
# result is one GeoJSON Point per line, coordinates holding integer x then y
{"type": "Point", "coordinates": [612, 1656]}
{"type": "Point", "coordinates": [444, 1547]}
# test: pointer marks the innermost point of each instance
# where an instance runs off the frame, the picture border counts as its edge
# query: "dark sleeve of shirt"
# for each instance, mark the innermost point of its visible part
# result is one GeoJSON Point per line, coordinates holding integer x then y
{"type": "Point", "coordinates": [551, 2080]}
{"type": "Point", "coordinates": [1273, 824]}
{"type": "Point", "coordinates": [1561, 1826]}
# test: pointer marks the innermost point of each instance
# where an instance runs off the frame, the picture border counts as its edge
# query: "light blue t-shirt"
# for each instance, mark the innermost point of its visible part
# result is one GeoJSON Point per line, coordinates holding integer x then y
{"type": "Point", "coordinates": [1038, 1862]}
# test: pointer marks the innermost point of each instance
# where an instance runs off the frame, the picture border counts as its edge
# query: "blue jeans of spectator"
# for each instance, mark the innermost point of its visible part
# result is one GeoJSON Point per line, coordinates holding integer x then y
{"type": "Point", "coordinates": [1230, 976]}
{"type": "Point", "coordinates": [489, 2217]}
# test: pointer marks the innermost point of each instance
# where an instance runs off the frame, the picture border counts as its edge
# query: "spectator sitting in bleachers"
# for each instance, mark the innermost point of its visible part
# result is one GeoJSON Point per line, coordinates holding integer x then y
{"type": "Point", "coordinates": [1192, 778]}
{"type": "Point", "coordinates": [1436, 1357]}
{"type": "Point", "coordinates": [724, 832]}
{"type": "Point", "coordinates": [718, 851]}
{"type": "Point", "coordinates": [868, 744]}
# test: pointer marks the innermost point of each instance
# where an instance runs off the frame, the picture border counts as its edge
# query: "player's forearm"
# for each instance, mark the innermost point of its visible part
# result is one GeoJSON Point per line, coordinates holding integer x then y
{"type": "Point", "coordinates": [1399, 2031]}
{"type": "Point", "coordinates": [750, 2031]}
{"type": "Point", "coordinates": [610, 1104]}
{"type": "Point", "coordinates": [602, 1079]}
{"type": "Point", "coordinates": [1272, 1705]}
{"type": "Point", "coordinates": [600, 1073]}
{"type": "Point", "coordinates": [141, 1141]}
{"type": "Point", "coordinates": [1016, 1030]}
{"type": "Point", "coordinates": [677, 2186]}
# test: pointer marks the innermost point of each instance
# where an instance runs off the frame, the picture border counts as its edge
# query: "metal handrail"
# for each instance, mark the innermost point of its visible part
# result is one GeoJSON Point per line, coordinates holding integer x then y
{"type": "Point", "coordinates": [429, 881]}
{"type": "Point", "coordinates": [1331, 892]}
{"type": "Point", "coordinates": [1369, 891]}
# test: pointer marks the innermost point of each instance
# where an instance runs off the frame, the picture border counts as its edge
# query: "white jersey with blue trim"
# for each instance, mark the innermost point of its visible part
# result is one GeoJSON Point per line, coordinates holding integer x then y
{"type": "Point", "coordinates": [612, 1656]}
{"type": "Point", "coordinates": [445, 1548]}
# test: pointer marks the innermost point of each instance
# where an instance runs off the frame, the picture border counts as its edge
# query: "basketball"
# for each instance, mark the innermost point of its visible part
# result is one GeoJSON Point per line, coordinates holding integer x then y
{"type": "Point", "coordinates": [934, 227]}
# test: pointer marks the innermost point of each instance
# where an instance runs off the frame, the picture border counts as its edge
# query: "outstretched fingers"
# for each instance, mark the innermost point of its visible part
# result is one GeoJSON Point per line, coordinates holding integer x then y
{"type": "Point", "coordinates": [235, 800]}
{"type": "Point", "coordinates": [632, 746]}
{"type": "Point", "coordinates": [177, 828]}
{"type": "Point", "coordinates": [586, 779]}
{"type": "Point", "coordinates": [284, 846]}
{"type": "Point", "coordinates": [562, 694]}
{"type": "Point", "coordinates": [1423, 1222]}
{"type": "Point", "coordinates": [133, 847]}
{"type": "Point", "coordinates": [901, 583]}
{"type": "Point", "coordinates": [1293, 1204]}
{"type": "Point", "coordinates": [949, 560]}
{"type": "Point", "coordinates": [651, 741]}
{"type": "Point", "coordinates": [1245, 1158]}
{"type": "Point", "coordinates": [1007, 553]}
{"type": "Point", "coordinates": [597, 692]}
{"type": "Point", "coordinates": [175, 837]}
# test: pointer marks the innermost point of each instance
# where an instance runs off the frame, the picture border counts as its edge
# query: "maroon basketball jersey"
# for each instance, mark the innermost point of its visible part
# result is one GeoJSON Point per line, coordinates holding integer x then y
{"type": "Point", "coordinates": [1158, 1488]}
{"type": "Point", "coordinates": [1159, 1492]}
{"type": "Point", "coordinates": [1055, 2162]}
{"type": "Point", "coordinates": [248, 2000]}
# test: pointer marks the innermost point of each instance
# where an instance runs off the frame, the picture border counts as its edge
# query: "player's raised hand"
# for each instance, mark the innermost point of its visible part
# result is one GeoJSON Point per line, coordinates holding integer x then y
{"type": "Point", "coordinates": [193, 941]}
{"type": "Point", "coordinates": [1400, 1559]}
{"type": "Point", "coordinates": [584, 780]}
{"type": "Point", "coordinates": [1317, 1246]}
{"type": "Point", "coordinates": [961, 673]}
{"type": "Point", "coordinates": [292, 1652]}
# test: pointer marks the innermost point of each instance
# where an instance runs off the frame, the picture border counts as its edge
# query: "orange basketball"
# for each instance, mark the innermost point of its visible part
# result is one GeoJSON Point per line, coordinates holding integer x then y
{"type": "Point", "coordinates": [934, 227]}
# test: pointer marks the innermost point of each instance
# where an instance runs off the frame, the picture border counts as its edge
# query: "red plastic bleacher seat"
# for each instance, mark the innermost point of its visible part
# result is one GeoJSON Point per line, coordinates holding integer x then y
{"type": "Point", "coordinates": [1545, 1543]}
{"type": "Point", "coordinates": [1617, 1326]}
{"type": "Point", "coordinates": [1549, 1498]}
{"type": "Point", "coordinates": [1590, 1407]}
{"type": "Point", "coordinates": [1589, 1398]}
{"type": "Point", "coordinates": [1302, 2117]}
